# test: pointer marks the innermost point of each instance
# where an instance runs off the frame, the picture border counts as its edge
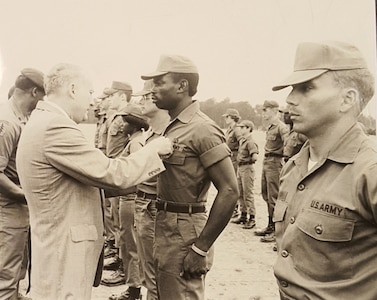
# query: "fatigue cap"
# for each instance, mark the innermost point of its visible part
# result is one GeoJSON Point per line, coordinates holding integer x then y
{"type": "Point", "coordinates": [172, 63]}
{"type": "Point", "coordinates": [270, 104]}
{"type": "Point", "coordinates": [232, 112]}
{"type": "Point", "coordinates": [106, 93]}
{"type": "Point", "coordinates": [246, 123]}
{"type": "Point", "coordinates": [147, 89]}
{"type": "Point", "coordinates": [119, 86]}
{"type": "Point", "coordinates": [35, 76]}
{"type": "Point", "coordinates": [315, 59]}
{"type": "Point", "coordinates": [133, 114]}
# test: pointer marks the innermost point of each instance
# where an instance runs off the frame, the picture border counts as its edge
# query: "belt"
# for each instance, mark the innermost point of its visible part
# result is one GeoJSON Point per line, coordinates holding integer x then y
{"type": "Point", "coordinates": [243, 163]}
{"type": "Point", "coordinates": [143, 195]}
{"type": "Point", "coordinates": [273, 155]}
{"type": "Point", "coordinates": [188, 208]}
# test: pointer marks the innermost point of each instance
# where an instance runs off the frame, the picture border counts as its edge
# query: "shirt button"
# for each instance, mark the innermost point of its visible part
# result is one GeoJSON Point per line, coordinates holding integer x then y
{"type": "Point", "coordinates": [283, 283]}
{"type": "Point", "coordinates": [301, 187]}
{"type": "Point", "coordinates": [292, 220]}
{"type": "Point", "coordinates": [284, 253]}
{"type": "Point", "coordinates": [318, 229]}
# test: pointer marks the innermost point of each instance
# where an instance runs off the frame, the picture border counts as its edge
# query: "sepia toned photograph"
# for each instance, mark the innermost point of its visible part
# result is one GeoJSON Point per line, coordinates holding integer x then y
{"type": "Point", "coordinates": [204, 150]}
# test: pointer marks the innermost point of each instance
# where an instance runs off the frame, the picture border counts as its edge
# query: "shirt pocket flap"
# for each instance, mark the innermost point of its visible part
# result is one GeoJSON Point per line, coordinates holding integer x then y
{"type": "Point", "coordinates": [280, 209]}
{"type": "Point", "coordinates": [324, 227]}
{"type": "Point", "coordinates": [177, 158]}
{"type": "Point", "coordinates": [84, 232]}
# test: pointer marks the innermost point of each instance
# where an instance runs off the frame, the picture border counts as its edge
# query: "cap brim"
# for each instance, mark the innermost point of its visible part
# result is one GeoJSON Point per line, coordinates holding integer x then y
{"type": "Point", "coordinates": [110, 91]}
{"type": "Point", "coordinates": [298, 77]}
{"type": "Point", "coordinates": [153, 75]}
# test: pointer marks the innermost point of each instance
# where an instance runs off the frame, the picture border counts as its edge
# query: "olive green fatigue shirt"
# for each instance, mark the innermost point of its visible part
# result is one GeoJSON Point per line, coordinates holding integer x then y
{"type": "Point", "coordinates": [326, 222]}
{"type": "Point", "coordinates": [275, 137]}
{"type": "Point", "coordinates": [198, 144]}
{"type": "Point", "coordinates": [246, 149]}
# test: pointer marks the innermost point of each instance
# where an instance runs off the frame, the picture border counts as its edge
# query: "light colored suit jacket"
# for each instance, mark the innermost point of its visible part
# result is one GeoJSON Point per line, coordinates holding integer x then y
{"type": "Point", "coordinates": [60, 172]}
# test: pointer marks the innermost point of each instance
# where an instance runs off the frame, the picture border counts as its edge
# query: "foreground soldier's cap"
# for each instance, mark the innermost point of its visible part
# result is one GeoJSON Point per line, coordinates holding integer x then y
{"type": "Point", "coordinates": [231, 112]}
{"type": "Point", "coordinates": [246, 123]}
{"type": "Point", "coordinates": [315, 59]}
{"type": "Point", "coordinates": [106, 93]}
{"type": "Point", "coordinates": [172, 63]}
{"type": "Point", "coordinates": [270, 104]}
{"type": "Point", "coordinates": [119, 86]}
{"type": "Point", "coordinates": [147, 89]}
{"type": "Point", "coordinates": [34, 75]}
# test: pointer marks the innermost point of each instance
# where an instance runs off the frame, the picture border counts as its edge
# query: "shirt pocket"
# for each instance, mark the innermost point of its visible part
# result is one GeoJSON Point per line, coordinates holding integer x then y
{"type": "Point", "coordinates": [325, 227]}
{"type": "Point", "coordinates": [322, 248]}
{"type": "Point", "coordinates": [176, 172]}
{"type": "Point", "coordinates": [84, 232]}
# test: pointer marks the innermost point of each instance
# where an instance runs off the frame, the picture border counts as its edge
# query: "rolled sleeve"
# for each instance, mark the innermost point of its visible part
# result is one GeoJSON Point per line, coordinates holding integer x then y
{"type": "Point", "coordinates": [214, 155]}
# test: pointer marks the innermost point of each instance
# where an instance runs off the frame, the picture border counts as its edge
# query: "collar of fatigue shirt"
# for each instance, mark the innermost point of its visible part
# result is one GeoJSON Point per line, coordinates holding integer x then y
{"type": "Point", "coordinates": [347, 147]}
{"type": "Point", "coordinates": [344, 150]}
{"type": "Point", "coordinates": [188, 113]}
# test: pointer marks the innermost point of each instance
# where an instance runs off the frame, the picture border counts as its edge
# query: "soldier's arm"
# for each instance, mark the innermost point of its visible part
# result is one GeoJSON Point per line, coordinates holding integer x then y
{"type": "Point", "coordinates": [224, 179]}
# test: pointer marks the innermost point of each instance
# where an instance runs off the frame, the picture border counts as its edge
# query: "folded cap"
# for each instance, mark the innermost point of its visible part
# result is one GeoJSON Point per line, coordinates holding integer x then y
{"type": "Point", "coordinates": [172, 63]}
{"type": "Point", "coordinates": [246, 123]}
{"type": "Point", "coordinates": [34, 75]}
{"type": "Point", "coordinates": [147, 89]}
{"type": "Point", "coordinates": [118, 86]}
{"type": "Point", "coordinates": [315, 59]}
{"type": "Point", "coordinates": [104, 94]}
{"type": "Point", "coordinates": [231, 112]}
{"type": "Point", "coordinates": [270, 104]}
{"type": "Point", "coordinates": [133, 110]}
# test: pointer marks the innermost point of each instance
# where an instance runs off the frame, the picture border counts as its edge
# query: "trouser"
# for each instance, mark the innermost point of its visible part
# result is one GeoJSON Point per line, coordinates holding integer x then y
{"type": "Point", "coordinates": [128, 248]}
{"type": "Point", "coordinates": [14, 235]}
{"type": "Point", "coordinates": [174, 235]}
{"type": "Point", "coordinates": [145, 215]}
{"type": "Point", "coordinates": [245, 178]}
{"type": "Point", "coordinates": [108, 220]}
{"type": "Point", "coordinates": [115, 218]}
{"type": "Point", "coordinates": [270, 181]}
{"type": "Point", "coordinates": [233, 158]}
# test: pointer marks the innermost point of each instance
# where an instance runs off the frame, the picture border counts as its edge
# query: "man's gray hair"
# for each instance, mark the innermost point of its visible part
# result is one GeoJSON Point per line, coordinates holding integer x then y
{"type": "Point", "coordinates": [360, 79]}
{"type": "Point", "coordinates": [61, 75]}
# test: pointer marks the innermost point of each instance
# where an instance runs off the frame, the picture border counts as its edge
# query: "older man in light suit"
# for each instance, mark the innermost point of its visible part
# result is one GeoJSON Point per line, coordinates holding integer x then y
{"type": "Point", "coordinates": [60, 172]}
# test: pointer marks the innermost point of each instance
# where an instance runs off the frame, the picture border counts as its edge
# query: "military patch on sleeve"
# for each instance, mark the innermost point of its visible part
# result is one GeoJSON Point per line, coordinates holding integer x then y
{"type": "Point", "coordinates": [2, 128]}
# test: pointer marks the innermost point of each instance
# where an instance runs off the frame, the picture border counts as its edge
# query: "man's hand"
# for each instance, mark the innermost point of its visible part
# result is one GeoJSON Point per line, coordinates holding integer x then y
{"type": "Point", "coordinates": [163, 146]}
{"type": "Point", "coordinates": [194, 265]}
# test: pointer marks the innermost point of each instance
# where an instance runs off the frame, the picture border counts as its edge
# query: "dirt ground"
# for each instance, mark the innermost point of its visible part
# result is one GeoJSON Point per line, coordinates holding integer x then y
{"type": "Point", "coordinates": [243, 265]}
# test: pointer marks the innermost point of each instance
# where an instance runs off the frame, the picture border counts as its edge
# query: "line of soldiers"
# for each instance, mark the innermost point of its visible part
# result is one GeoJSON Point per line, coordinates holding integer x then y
{"type": "Point", "coordinates": [156, 182]}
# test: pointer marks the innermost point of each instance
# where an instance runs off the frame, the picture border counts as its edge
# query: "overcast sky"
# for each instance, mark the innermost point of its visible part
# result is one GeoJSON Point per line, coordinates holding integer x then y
{"type": "Point", "coordinates": [241, 47]}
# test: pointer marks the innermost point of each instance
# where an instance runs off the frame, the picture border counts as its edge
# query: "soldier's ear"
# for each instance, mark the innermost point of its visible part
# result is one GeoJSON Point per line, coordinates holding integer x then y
{"type": "Point", "coordinates": [183, 85]}
{"type": "Point", "coordinates": [350, 98]}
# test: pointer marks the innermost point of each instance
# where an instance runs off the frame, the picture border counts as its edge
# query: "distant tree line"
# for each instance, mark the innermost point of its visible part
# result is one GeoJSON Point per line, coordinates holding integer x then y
{"type": "Point", "coordinates": [215, 110]}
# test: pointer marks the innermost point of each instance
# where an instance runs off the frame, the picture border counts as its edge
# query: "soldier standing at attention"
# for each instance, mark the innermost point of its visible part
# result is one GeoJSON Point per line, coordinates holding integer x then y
{"type": "Point", "coordinates": [14, 214]}
{"type": "Point", "coordinates": [272, 164]}
{"type": "Point", "coordinates": [184, 234]}
{"type": "Point", "coordinates": [326, 213]}
{"type": "Point", "coordinates": [246, 158]}
{"type": "Point", "coordinates": [232, 136]}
